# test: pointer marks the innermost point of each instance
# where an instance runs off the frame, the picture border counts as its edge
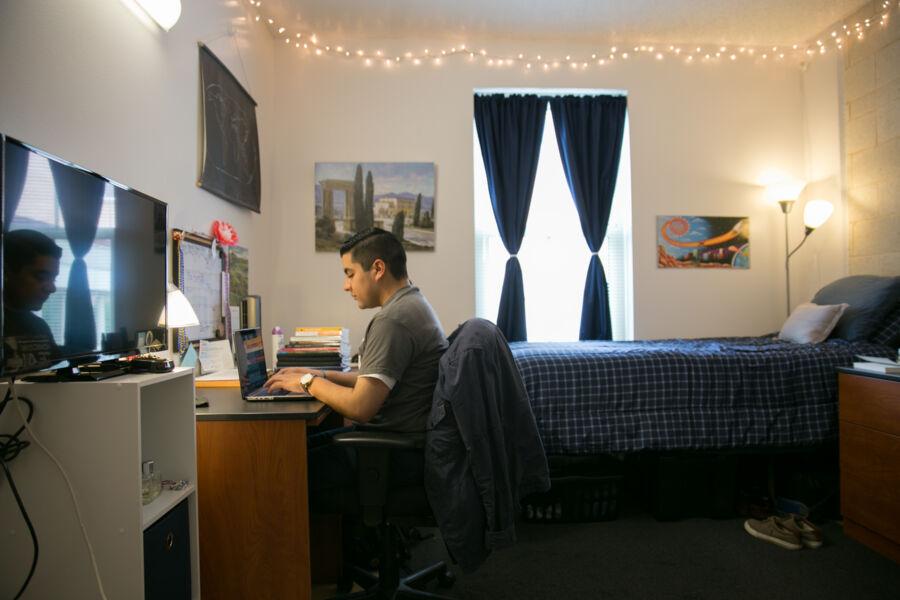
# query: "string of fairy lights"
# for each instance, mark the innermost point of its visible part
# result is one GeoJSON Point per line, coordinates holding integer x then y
{"type": "Point", "coordinates": [836, 39]}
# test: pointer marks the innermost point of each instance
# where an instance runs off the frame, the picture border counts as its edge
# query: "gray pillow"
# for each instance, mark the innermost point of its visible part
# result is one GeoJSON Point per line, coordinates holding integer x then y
{"type": "Point", "coordinates": [811, 323]}
{"type": "Point", "coordinates": [870, 298]}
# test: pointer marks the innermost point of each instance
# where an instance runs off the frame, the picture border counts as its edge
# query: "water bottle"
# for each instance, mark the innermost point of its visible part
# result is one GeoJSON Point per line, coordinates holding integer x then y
{"type": "Point", "coordinates": [277, 344]}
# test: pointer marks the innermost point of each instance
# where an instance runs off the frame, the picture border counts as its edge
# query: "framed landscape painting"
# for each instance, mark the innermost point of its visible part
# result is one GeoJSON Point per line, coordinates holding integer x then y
{"type": "Point", "coordinates": [397, 197]}
{"type": "Point", "coordinates": [702, 242]}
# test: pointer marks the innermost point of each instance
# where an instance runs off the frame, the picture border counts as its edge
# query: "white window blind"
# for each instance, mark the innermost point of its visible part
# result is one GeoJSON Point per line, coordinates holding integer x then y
{"type": "Point", "coordinates": [554, 254]}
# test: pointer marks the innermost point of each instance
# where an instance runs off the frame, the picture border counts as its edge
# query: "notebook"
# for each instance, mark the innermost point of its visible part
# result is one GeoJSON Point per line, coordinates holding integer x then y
{"type": "Point", "coordinates": [249, 350]}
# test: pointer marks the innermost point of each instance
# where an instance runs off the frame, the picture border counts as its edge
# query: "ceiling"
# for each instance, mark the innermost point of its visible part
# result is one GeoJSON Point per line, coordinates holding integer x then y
{"type": "Point", "coordinates": [746, 22]}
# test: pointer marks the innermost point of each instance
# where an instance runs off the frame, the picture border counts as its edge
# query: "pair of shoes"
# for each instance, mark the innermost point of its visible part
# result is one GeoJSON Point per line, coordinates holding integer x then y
{"type": "Point", "coordinates": [771, 530]}
{"type": "Point", "coordinates": [808, 534]}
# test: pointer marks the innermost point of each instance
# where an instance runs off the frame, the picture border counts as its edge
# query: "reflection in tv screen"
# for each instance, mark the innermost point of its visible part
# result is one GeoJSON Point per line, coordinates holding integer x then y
{"type": "Point", "coordinates": [83, 262]}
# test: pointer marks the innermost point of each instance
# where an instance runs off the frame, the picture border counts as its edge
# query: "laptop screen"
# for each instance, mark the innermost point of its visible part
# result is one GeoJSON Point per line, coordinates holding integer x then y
{"type": "Point", "coordinates": [251, 359]}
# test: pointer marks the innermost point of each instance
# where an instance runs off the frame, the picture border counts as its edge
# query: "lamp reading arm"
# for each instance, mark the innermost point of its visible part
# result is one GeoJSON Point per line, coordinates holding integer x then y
{"type": "Point", "coordinates": [808, 231]}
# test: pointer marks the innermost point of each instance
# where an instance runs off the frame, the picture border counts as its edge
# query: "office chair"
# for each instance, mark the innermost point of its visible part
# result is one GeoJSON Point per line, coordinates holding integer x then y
{"type": "Point", "coordinates": [483, 421]}
{"type": "Point", "coordinates": [381, 504]}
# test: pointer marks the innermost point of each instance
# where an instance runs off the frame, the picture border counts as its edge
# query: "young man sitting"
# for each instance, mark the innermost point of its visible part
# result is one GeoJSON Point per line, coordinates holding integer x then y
{"type": "Point", "coordinates": [398, 370]}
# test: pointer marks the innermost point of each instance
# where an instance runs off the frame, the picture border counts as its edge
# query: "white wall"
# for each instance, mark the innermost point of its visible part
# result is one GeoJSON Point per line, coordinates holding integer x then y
{"type": "Point", "coordinates": [824, 256]}
{"type": "Point", "coordinates": [90, 82]}
{"type": "Point", "coordinates": [700, 136]}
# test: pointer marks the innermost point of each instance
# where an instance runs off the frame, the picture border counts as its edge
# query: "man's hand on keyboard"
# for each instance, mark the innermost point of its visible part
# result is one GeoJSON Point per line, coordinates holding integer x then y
{"type": "Point", "coordinates": [288, 380]}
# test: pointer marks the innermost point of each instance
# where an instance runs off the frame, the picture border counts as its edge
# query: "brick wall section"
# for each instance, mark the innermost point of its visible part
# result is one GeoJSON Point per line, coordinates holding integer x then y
{"type": "Point", "coordinates": [872, 145]}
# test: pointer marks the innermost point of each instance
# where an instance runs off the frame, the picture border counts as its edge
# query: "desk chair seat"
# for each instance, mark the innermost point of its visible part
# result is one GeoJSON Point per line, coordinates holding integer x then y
{"type": "Point", "coordinates": [380, 505]}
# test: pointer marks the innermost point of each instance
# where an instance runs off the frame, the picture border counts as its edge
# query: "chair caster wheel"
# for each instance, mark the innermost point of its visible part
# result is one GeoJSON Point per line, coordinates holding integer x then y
{"type": "Point", "coordinates": [446, 579]}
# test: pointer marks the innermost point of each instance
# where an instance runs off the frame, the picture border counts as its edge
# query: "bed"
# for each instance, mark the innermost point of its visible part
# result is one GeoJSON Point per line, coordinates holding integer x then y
{"type": "Point", "coordinates": [593, 398]}
{"type": "Point", "coordinates": [746, 393]}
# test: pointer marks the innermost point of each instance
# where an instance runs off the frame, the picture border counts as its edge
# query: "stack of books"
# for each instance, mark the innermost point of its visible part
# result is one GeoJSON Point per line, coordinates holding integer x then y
{"type": "Point", "coordinates": [318, 348]}
{"type": "Point", "coordinates": [876, 364]}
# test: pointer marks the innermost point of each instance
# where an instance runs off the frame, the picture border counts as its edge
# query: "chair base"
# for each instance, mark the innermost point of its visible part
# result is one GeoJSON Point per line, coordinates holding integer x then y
{"type": "Point", "coordinates": [407, 587]}
{"type": "Point", "coordinates": [388, 584]}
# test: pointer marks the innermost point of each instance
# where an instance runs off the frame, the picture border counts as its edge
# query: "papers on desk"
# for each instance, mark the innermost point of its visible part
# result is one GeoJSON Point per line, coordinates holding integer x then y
{"type": "Point", "coordinates": [224, 378]}
{"type": "Point", "coordinates": [223, 375]}
{"type": "Point", "coordinates": [215, 355]}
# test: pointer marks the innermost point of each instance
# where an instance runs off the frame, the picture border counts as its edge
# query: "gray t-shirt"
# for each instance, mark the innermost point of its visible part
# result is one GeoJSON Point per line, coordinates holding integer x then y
{"type": "Point", "coordinates": [404, 341]}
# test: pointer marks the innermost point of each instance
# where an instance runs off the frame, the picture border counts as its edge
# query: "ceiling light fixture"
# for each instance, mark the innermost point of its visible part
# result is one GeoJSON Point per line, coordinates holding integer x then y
{"type": "Point", "coordinates": [165, 12]}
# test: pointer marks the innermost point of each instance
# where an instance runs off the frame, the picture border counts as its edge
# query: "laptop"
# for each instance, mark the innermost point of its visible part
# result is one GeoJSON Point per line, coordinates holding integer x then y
{"type": "Point", "coordinates": [249, 350]}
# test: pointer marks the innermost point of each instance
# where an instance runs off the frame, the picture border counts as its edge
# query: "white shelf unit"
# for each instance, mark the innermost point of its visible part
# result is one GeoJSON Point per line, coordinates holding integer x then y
{"type": "Point", "coordinates": [100, 432]}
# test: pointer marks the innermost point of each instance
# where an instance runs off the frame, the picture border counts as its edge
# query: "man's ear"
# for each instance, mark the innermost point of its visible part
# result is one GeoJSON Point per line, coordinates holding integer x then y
{"type": "Point", "coordinates": [378, 268]}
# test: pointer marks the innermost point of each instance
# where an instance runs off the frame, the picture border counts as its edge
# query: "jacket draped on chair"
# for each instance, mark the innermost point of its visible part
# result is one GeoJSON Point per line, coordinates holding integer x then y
{"type": "Point", "coordinates": [483, 453]}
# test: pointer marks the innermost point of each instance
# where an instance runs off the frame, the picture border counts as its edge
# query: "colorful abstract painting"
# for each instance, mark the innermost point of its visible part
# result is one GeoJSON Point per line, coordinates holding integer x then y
{"type": "Point", "coordinates": [702, 242]}
{"type": "Point", "coordinates": [397, 197]}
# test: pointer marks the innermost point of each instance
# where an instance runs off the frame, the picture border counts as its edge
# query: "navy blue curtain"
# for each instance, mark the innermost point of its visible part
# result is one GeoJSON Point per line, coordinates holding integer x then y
{"type": "Point", "coordinates": [80, 198]}
{"type": "Point", "coordinates": [15, 168]}
{"type": "Point", "coordinates": [509, 131]}
{"type": "Point", "coordinates": [589, 132]}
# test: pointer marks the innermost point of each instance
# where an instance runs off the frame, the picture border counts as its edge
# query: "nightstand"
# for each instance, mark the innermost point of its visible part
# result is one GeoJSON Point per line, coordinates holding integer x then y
{"type": "Point", "coordinates": [869, 407]}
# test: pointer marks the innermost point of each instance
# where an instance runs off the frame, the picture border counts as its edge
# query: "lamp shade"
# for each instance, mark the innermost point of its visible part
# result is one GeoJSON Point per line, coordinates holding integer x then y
{"type": "Point", "coordinates": [181, 313]}
{"type": "Point", "coordinates": [165, 12]}
{"type": "Point", "coordinates": [816, 212]}
{"type": "Point", "coordinates": [784, 190]}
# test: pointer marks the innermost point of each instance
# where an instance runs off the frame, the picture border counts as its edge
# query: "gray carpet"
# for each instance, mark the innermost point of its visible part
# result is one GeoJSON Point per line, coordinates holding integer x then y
{"type": "Point", "coordinates": [637, 557]}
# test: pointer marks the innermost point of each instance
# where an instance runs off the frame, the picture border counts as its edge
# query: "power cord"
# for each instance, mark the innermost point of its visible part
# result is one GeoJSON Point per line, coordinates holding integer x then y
{"type": "Point", "coordinates": [25, 424]}
{"type": "Point", "coordinates": [10, 447]}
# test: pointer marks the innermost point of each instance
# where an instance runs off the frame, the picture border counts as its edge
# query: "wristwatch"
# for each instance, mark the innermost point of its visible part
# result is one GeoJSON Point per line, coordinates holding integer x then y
{"type": "Point", "coordinates": [307, 380]}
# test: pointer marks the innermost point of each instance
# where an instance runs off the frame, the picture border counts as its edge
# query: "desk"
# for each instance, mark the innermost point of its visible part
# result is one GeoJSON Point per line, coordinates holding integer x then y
{"type": "Point", "coordinates": [252, 494]}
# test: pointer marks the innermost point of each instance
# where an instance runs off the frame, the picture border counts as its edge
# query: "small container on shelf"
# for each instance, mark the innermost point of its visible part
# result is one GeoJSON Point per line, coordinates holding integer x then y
{"type": "Point", "coordinates": [151, 482]}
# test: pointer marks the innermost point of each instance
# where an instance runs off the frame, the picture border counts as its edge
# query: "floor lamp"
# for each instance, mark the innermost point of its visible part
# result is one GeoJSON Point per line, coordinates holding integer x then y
{"type": "Point", "coordinates": [815, 213]}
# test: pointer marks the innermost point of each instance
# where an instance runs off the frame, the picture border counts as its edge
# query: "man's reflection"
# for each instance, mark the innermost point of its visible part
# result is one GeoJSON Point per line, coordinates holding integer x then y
{"type": "Point", "coordinates": [30, 267]}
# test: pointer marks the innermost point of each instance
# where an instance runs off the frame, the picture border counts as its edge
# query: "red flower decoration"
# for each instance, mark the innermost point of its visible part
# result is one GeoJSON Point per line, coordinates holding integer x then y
{"type": "Point", "coordinates": [224, 233]}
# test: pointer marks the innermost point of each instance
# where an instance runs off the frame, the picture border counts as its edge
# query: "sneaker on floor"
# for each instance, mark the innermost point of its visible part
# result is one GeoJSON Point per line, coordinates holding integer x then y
{"type": "Point", "coordinates": [772, 531]}
{"type": "Point", "coordinates": [809, 535]}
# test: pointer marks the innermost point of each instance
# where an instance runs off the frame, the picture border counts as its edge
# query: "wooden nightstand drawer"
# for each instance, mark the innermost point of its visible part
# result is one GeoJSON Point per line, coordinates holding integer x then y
{"type": "Point", "coordinates": [870, 402]}
{"type": "Point", "coordinates": [870, 479]}
{"type": "Point", "coordinates": [869, 407]}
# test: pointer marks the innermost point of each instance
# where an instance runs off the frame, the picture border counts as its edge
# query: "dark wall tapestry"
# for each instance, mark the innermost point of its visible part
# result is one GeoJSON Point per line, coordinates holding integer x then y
{"type": "Point", "coordinates": [229, 144]}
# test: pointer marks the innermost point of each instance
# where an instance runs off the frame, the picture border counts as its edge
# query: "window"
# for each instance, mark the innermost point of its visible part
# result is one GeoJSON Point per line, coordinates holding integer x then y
{"type": "Point", "coordinates": [554, 254]}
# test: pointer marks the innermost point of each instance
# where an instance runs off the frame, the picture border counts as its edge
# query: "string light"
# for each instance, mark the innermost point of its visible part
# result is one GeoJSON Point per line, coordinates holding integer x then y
{"type": "Point", "coordinates": [839, 37]}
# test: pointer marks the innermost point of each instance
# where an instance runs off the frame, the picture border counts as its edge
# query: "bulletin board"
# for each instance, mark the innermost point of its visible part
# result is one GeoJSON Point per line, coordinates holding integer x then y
{"type": "Point", "coordinates": [201, 272]}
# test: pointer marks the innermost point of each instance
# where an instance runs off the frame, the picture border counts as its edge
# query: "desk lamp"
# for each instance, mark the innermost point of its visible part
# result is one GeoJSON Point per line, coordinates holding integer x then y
{"type": "Point", "coordinates": [181, 313]}
{"type": "Point", "coordinates": [178, 309]}
{"type": "Point", "coordinates": [815, 213]}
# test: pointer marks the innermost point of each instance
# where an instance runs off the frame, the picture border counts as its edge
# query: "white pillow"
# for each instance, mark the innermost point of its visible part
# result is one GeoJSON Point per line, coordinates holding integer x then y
{"type": "Point", "coordinates": [811, 323]}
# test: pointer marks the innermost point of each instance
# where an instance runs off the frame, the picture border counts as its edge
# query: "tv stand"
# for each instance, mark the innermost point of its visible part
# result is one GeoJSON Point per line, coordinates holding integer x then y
{"type": "Point", "coordinates": [101, 432]}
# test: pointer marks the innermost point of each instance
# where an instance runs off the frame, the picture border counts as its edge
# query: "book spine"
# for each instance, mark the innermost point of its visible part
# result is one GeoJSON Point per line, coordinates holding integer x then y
{"type": "Point", "coordinates": [318, 331]}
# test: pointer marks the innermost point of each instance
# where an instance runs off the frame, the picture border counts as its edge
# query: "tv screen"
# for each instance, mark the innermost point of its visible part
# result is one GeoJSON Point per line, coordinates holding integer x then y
{"type": "Point", "coordinates": [84, 264]}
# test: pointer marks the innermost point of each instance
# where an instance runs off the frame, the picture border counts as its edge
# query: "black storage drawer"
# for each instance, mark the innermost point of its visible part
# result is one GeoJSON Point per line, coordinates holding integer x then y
{"type": "Point", "coordinates": [167, 556]}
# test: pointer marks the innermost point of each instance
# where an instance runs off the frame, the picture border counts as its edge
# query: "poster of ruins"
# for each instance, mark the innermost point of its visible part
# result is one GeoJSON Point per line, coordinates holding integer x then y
{"type": "Point", "coordinates": [396, 196]}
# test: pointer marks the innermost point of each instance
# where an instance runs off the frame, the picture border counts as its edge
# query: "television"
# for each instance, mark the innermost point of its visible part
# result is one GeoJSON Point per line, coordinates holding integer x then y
{"type": "Point", "coordinates": [84, 265]}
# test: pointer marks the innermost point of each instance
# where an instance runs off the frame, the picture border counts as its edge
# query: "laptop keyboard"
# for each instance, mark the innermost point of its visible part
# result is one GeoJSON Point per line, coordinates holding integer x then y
{"type": "Point", "coordinates": [262, 393]}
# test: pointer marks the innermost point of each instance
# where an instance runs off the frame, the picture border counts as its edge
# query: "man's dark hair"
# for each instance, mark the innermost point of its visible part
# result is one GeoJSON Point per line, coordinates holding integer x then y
{"type": "Point", "coordinates": [367, 245]}
{"type": "Point", "coordinates": [22, 246]}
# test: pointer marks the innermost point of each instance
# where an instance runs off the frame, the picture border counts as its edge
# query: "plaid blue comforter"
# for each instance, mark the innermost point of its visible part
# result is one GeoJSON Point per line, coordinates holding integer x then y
{"type": "Point", "coordinates": [594, 397]}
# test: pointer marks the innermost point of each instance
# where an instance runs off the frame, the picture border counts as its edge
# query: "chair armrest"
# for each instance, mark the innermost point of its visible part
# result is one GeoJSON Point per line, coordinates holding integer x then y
{"type": "Point", "coordinates": [381, 439]}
